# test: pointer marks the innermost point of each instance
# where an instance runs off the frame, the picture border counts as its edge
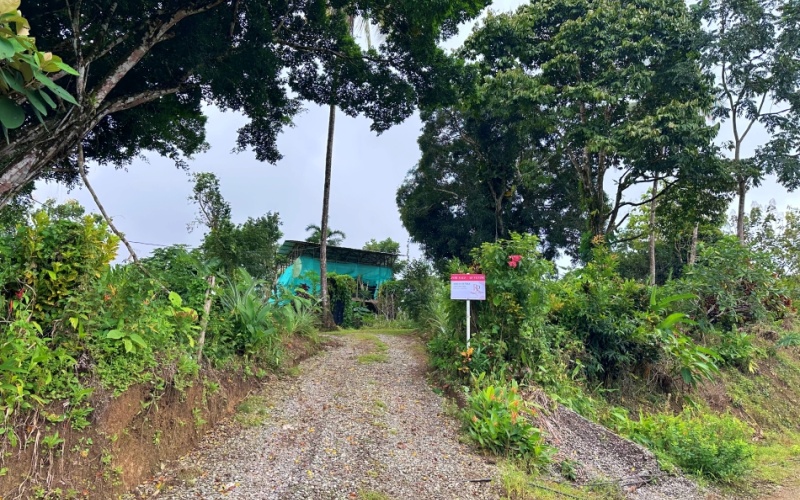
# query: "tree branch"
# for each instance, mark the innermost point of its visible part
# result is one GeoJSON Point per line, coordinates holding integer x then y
{"type": "Point", "coordinates": [667, 187]}
{"type": "Point", "coordinates": [155, 34]}
{"type": "Point", "coordinates": [755, 118]}
{"type": "Point", "coordinates": [134, 100]}
{"type": "Point", "coordinates": [318, 50]}
{"type": "Point", "coordinates": [85, 178]}
{"type": "Point", "coordinates": [629, 238]}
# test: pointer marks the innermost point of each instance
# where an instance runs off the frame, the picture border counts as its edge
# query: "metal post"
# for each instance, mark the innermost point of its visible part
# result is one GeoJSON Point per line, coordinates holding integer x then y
{"type": "Point", "coordinates": [468, 321]}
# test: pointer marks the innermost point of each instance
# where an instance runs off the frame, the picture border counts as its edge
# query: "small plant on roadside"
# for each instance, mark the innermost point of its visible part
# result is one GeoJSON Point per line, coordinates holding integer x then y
{"type": "Point", "coordinates": [568, 469]}
{"type": "Point", "coordinates": [736, 349]}
{"type": "Point", "coordinates": [497, 419]}
{"type": "Point", "coordinates": [199, 421]}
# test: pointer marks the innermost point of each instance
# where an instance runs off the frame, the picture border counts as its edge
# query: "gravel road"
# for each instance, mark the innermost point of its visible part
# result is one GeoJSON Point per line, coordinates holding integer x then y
{"type": "Point", "coordinates": [360, 422]}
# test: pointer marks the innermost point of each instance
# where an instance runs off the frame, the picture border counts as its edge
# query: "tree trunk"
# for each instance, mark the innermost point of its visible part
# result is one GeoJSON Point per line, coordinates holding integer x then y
{"type": "Point", "coordinates": [653, 205]}
{"type": "Point", "coordinates": [693, 248]}
{"type": "Point", "coordinates": [741, 191]}
{"type": "Point", "coordinates": [28, 160]}
{"type": "Point", "coordinates": [327, 317]}
{"type": "Point", "coordinates": [212, 280]}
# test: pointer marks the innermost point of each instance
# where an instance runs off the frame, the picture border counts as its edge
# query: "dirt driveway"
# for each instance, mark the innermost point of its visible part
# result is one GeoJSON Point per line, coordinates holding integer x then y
{"type": "Point", "coordinates": [360, 421]}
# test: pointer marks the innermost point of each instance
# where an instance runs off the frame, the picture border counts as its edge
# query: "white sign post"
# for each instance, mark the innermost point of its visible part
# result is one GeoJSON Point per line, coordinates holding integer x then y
{"type": "Point", "coordinates": [468, 287]}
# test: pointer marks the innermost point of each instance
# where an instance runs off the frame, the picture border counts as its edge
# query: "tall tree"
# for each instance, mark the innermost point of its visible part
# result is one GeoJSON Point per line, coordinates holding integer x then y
{"type": "Point", "coordinates": [146, 67]}
{"type": "Point", "coordinates": [754, 48]}
{"type": "Point", "coordinates": [387, 246]}
{"type": "Point", "coordinates": [327, 318]}
{"type": "Point", "coordinates": [618, 86]}
{"type": "Point", "coordinates": [478, 179]}
{"type": "Point", "coordinates": [214, 213]}
{"type": "Point", "coordinates": [334, 237]}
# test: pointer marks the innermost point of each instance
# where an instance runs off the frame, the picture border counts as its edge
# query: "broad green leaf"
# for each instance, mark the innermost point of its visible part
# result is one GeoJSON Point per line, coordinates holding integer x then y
{"type": "Point", "coordinates": [7, 50]}
{"type": "Point", "coordinates": [36, 102]}
{"type": "Point", "coordinates": [66, 68]}
{"type": "Point", "coordinates": [54, 87]}
{"type": "Point", "coordinates": [11, 114]}
{"type": "Point", "coordinates": [115, 334]}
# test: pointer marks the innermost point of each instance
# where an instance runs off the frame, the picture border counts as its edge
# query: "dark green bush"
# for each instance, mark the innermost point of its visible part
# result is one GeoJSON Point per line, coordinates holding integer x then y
{"type": "Point", "coordinates": [601, 309]}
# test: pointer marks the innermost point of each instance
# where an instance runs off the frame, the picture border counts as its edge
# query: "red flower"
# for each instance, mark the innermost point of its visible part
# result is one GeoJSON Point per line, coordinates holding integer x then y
{"type": "Point", "coordinates": [513, 260]}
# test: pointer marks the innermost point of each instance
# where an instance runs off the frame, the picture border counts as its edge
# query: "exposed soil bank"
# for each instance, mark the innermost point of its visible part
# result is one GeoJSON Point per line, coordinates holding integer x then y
{"type": "Point", "coordinates": [130, 437]}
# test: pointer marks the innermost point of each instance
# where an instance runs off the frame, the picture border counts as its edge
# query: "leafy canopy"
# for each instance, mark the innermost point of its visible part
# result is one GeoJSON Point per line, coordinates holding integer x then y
{"type": "Point", "coordinates": [146, 68]}
{"type": "Point", "coordinates": [616, 85]}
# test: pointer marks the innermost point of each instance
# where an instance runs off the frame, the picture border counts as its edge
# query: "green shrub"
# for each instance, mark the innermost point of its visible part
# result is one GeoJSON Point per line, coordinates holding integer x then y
{"type": "Point", "coordinates": [733, 284]}
{"type": "Point", "coordinates": [715, 446]}
{"type": "Point", "coordinates": [512, 333]}
{"type": "Point", "coordinates": [254, 332]}
{"type": "Point", "coordinates": [497, 418]}
{"type": "Point", "coordinates": [736, 349]}
{"type": "Point", "coordinates": [53, 257]}
{"type": "Point", "coordinates": [602, 310]}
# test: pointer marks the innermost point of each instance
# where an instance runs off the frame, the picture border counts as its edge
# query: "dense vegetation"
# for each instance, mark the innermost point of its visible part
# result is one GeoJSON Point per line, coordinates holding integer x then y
{"type": "Point", "coordinates": [75, 327]}
{"type": "Point", "coordinates": [639, 359]}
{"type": "Point", "coordinates": [588, 133]}
{"type": "Point", "coordinates": [670, 328]}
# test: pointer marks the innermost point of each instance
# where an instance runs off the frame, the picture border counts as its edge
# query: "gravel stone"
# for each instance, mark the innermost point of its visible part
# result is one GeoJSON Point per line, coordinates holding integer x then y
{"type": "Point", "coordinates": [345, 428]}
{"type": "Point", "coordinates": [605, 456]}
{"type": "Point", "coordinates": [340, 430]}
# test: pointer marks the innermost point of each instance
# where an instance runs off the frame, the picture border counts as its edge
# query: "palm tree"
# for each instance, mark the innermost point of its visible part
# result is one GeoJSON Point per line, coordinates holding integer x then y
{"type": "Point", "coordinates": [327, 318]}
{"type": "Point", "coordinates": [334, 239]}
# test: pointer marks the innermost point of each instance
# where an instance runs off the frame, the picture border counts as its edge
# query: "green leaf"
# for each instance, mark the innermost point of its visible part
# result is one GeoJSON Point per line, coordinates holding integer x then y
{"type": "Point", "coordinates": [115, 334]}
{"type": "Point", "coordinates": [671, 320]}
{"type": "Point", "coordinates": [11, 114]}
{"type": "Point", "coordinates": [54, 87]}
{"type": "Point", "coordinates": [175, 299]}
{"type": "Point", "coordinates": [128, 345]}
{"type": "Point", "coordinates": [33, 98]}
{"type": "Point", "coordinates": [14, 80]}
{"type": "Point", "coordinates": [7, 50]}
{"type": "Point", "coordinates": [66, 68]}
{"type": "Point", "coordinates": [138, 339]}
{"type": "Point", "coordinates": [49, 100]}
{"type": "Point", "coordinates": [686, 375]}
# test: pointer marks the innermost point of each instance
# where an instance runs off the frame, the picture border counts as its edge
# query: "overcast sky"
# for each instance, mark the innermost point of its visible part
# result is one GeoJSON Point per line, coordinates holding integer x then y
{"type": "Point", "coordinates": [148, 202]}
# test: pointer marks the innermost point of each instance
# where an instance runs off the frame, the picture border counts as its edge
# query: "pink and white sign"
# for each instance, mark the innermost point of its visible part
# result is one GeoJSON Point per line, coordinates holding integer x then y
{"type": "Point", "coordinates": [468, 286]}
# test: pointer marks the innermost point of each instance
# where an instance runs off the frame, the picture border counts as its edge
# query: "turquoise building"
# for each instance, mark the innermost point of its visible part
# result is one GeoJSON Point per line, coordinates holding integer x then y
{"type": "Point", "coordinates": [369, 269]}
